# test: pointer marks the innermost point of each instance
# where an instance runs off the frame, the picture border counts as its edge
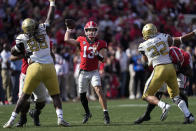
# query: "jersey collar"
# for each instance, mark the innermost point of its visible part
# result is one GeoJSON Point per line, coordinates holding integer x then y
{"type": "Point", "coordinates": [91, 42]}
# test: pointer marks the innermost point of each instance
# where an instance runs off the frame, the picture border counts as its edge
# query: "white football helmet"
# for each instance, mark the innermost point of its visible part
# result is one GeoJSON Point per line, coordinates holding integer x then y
{"type": "Point", "coordinates": [91, 29]}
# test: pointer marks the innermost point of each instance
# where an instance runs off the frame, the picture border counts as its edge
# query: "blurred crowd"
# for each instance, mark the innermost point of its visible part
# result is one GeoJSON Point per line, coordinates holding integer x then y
{"type": "Point", "coordinates": [120, 23]}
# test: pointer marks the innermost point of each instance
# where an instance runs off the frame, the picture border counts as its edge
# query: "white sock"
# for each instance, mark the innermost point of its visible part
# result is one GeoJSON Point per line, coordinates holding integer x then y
{"type": "Point", "coordinates": [161, 104]}
{"type": "Point", "coordinates": [105, 110]}
{"type": "Point", "coordinates": [13, 116]}
{"type": "Point", "coordinates": [183, 108]}
{"type": "Point", "coordinates": [59, 113]}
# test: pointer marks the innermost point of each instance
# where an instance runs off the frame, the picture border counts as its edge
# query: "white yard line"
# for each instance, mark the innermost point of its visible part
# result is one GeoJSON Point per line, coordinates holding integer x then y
{"type": "Point", "coordinates": [134, 105]}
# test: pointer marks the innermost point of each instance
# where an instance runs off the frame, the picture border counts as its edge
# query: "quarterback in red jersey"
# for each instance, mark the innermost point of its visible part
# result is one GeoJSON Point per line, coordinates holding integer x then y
{"type": "Point", "coordinates": [92, 50]}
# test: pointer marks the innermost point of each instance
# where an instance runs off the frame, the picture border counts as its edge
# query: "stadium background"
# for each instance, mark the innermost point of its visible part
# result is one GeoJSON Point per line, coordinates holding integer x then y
{"type": "Point", "coordinates": [120, 23]}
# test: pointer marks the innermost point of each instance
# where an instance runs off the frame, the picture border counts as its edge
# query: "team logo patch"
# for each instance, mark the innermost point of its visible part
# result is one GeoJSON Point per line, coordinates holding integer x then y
{"type": "Point", "coordinates": [84, 42]}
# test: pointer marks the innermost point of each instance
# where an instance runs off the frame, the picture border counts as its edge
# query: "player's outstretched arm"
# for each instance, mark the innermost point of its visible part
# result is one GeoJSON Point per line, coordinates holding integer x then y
{"type": "Point", "coordinates": [50, 16]}
{"type": "Point", "coordinates": [70, 24]}
{"type": "Point", "coordinates": [177, 41]}
{"type": "Point", "coordinates": [14, 58]}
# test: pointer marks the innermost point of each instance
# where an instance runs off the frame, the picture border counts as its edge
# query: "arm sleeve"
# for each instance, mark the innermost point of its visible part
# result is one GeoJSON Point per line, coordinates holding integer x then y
{"type": "Point", "coordinates": [102, 44]}
{"type": "Point", "coordinates": [20, 48]}
{"type": "Point", "coordinates": [141, 49]}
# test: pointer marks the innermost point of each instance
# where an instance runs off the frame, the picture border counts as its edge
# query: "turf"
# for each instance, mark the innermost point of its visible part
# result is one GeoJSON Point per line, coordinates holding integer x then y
{"type": "Point", "coordinates": [123, 112]}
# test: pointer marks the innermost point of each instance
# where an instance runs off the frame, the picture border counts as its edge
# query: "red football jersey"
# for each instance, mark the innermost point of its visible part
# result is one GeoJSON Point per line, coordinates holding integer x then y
{"type": "Point", "coordinates": [24, 66]}
{"type": "Point", "coordinates": [186, 58]}
{"type": "Point", "coordinates": [179, 56]}
{"type": "Point", "coordinates": [89, 61]}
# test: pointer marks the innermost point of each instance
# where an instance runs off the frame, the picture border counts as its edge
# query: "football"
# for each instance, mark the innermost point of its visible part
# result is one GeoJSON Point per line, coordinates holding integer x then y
{"type": "Point", "coordinates": [70, 23]}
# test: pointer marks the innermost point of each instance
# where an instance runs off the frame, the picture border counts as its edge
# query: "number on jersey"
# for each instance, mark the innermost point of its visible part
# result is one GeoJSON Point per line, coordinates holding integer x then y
{"type": "Point", "coordinates": [91, 54]}
{"type": "Point", "coordinates": [156, 51]}
{"type": "Point", "coordinates": [36, 46]}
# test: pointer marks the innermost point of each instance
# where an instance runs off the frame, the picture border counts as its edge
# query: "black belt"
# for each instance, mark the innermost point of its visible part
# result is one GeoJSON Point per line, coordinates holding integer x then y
{"type": "Point", "coordinates": [84, 70]}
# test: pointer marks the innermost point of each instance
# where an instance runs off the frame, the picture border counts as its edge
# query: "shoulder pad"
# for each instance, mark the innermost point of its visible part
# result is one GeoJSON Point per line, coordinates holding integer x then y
{"type": "Point", "coordinates": [21, 38]}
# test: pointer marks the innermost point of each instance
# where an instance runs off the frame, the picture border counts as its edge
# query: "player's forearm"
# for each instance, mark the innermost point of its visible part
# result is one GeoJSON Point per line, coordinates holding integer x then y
{"type": "Point", "coordinates": [14, 58]}
{"type": "Point", "coordinates": [188, 36]}
{"type": "Point", "coordinates": [67, 35]}
{"type": "Point", "coordinates": [68, 40]}
{"type": "Point", "coordinates": [180, 40]}
{"type": "Point", "coordinates": [50, 15]}
{"type": "Point", "coordinates": [103, 52]}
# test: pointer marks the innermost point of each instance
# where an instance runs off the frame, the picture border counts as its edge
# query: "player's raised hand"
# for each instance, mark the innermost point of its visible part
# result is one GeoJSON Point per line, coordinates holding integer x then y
{"type": "Point", "coordinates": [70, 23]}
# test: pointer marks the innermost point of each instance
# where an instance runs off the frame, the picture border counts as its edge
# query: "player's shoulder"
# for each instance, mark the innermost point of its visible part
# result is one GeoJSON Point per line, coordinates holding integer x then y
{"type": "Point", "coordinates": [81, 38]}
{"type": "Point", "coordinates": [21, 38]}
{"type": "Point", "coordinates": [163, 35]}
{"type": "Point", "coordinates": [102, 42]}
{"type": "Point", "coordinates": [143, 44]}
{"type": "Point", "coordinates": [184, 53]}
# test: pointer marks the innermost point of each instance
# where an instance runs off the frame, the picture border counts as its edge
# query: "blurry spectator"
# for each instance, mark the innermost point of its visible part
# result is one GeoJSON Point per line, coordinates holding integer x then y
{"type": "Point", "coordinates": [15, 75]}
{"type": "Point", "coordinates": [139, 75]}
{"type": "Point", "coordinates": [6, 73]}
{"type": "Point", "coordinates": [190, 80]}
{"type": "Point", "coordinates": [122, 57]}
{"type": "Point", "coordinates": [124, 41]}
{"type": "Point", "coordinates": [70, 84]}
{"type": "Point", "coordinates": [61, 67]}
{"type": "Point", "coordinates": [194, 72]}
{"type": "Point", "coordinates": [111, 81]}
{"type": "Point", "coordinates": [76, 61]}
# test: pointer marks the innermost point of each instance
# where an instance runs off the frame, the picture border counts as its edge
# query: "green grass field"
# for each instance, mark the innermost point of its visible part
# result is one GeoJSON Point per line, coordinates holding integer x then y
{"type": "Point", "coordinates": [122, 112]}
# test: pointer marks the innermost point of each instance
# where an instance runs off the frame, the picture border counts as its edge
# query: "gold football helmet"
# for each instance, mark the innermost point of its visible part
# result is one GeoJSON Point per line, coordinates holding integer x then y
{"type": "Point", "coordinates": [149, 31]}
{"type": "Point", "coordinates": [28, 26]}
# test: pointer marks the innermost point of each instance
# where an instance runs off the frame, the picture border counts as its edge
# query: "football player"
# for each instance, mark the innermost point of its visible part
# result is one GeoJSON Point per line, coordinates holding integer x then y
{"type": "Point", "coordinates": [155, 51]}
{"type": "Point", "coordinates": [35, 43]}
{"type": "Point", "coordinates": [40, 94]}
{"type": "Point", "coordinates": [182, 61]}
{"type": "Point", "coordinates": [92, 50]}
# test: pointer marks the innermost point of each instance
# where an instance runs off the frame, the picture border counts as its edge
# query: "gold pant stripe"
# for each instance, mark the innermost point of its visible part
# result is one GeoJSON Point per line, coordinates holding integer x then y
{"type": "Point", "coordinates": [148, 82]}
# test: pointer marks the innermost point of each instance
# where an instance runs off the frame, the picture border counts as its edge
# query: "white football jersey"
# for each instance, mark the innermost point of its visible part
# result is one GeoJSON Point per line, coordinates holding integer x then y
{"type": "Point", "coordinates": [40, 50]}
{"type": "Point", "coordinates": [156, 49]}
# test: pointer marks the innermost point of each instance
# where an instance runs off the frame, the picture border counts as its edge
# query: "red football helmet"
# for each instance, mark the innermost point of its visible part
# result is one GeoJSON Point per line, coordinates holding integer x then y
{"type": "Point", "coordinates": [176, 55]}
{"type": "Point", "coordinates": [91, 29]}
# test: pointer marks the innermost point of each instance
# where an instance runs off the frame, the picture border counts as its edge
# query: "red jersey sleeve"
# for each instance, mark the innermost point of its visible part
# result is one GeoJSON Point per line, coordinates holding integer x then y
{"type": "Point", "coordinates": [102, 44]}
{"type": "Point", "coordinates": [186, 58]}
{"type": "Point", "coordinates": [80, 39]}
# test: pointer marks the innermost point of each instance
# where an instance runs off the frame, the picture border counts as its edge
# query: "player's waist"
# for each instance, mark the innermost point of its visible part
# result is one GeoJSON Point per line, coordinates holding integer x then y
{"type": "Point", "coordinates": [162, 64]}
{"type": "Point", "coordinates": [48, 60]}
{"type": "Point", "coordinates": [87, 70]}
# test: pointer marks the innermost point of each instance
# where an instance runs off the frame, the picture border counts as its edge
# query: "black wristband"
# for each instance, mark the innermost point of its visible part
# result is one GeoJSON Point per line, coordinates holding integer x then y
{"type": "Point", "coordinates": [100, 57]}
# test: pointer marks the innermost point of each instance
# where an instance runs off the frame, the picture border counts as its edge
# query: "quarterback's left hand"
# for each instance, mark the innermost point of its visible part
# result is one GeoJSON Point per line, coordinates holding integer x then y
{"type": "Point", "coordinates": [95, 49]}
